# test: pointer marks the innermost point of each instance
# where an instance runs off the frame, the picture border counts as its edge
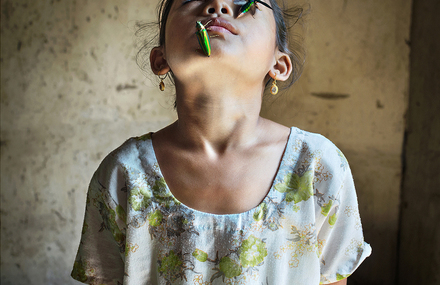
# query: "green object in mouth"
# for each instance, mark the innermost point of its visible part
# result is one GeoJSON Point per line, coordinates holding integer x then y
{"type": "Point", "coordinates": [203, 38]}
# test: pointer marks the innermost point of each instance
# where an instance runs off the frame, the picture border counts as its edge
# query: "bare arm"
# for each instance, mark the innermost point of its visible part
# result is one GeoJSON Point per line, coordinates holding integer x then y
{"type": "Point", "coordinates": [341, 282]}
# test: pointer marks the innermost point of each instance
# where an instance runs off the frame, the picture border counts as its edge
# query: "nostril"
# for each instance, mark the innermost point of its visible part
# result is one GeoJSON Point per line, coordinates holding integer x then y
{"type": "Point", "coordinates": [211, 10]}
{"type": "Point", "coordinates": [224, 10]}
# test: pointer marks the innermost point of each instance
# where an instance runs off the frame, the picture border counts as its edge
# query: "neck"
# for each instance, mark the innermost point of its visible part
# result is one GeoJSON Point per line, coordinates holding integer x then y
{"type": "Point", "coordinates": [216, 117]}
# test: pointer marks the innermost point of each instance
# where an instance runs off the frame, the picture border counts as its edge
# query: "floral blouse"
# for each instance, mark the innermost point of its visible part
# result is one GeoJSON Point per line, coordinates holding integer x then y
{"type": "Point", "coordinates": [307, 230]}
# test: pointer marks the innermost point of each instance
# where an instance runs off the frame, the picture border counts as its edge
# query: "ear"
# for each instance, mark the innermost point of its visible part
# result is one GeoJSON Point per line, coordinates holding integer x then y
{"type": "Point", "coordinates": [282, 68]}
{"type": "Point", "coordinates": [158, 62]}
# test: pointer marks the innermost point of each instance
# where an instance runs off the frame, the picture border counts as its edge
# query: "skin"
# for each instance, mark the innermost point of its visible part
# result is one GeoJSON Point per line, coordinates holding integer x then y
{"type": "Point", "coordinates": [220, 156]}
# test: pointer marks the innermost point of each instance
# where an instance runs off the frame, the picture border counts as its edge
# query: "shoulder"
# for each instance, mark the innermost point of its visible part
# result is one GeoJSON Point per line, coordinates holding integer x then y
{"type": "Point", "coordinates": [315, 143]}
{"type": "Point", "coordinates": [127, 154]}
{"type": "Point", "coordinates": [318, 154]}
{"type": "Point", "coordinates": [312, 140]}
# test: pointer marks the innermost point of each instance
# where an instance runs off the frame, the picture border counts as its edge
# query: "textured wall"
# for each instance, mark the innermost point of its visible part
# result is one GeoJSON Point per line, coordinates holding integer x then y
{"type": "Point", "coordinates": [71, 92]}
{"type": "Point", "coordinates": [420, 230]}
{"type": "Point", "coordinates": [354, 91]}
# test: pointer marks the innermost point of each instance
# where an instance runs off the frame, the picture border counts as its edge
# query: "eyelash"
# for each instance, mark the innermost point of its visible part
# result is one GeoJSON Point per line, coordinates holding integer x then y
{"type": "Point", "coordinates": [188, 1]}
{"type": "Point", "coordinates": [238, 6]}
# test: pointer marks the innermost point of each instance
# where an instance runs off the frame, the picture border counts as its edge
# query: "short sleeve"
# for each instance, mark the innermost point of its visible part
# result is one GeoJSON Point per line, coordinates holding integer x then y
{"type": "Point", "coordinates": [100, 257]}
{"type": "Point", "coordinates": [343, 246]}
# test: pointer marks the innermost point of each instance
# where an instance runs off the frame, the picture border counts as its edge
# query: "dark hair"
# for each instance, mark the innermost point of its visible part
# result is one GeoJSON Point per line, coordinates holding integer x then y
{"type": "Point", "coordinates": [285, 19]}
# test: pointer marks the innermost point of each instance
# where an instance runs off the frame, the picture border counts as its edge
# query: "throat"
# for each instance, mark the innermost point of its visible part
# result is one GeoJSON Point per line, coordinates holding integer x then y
{"type": "Point", "coordinates": [207, 135]}
{"type": "Point", "coordinates": [233, 183]}
{"type": "Point", "coordinates": [221, 118]}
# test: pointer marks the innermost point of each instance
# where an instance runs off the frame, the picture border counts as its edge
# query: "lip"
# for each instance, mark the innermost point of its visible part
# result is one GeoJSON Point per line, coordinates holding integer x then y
{"type": "Point", "coordinates": [218, 24]}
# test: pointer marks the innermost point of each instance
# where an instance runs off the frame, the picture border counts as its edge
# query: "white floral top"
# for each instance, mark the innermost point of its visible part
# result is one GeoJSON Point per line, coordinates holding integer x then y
{"type": "Point", "coordinates": [307, 230]}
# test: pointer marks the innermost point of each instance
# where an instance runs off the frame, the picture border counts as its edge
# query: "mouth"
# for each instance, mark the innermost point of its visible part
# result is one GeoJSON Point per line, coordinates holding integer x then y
{"type": "Point", "coordinates": [220, 25]}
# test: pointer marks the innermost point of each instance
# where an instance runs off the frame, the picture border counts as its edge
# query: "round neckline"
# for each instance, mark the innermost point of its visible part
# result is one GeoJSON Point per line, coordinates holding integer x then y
{"type": "Point", "coordinates": [265, 200]}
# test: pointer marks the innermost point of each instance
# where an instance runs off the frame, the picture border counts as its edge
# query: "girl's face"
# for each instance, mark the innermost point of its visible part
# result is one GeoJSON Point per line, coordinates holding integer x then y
{"type": "Point", "coordinates": [244, 46]}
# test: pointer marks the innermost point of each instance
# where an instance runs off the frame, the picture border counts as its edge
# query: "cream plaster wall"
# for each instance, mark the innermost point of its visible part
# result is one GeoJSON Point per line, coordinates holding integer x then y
{"type": "Point", "coordinates": [71, 92]}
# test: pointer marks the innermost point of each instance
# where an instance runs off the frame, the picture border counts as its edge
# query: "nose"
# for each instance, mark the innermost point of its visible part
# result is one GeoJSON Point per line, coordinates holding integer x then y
{"type": "Point", "coordinates": [216, 8]}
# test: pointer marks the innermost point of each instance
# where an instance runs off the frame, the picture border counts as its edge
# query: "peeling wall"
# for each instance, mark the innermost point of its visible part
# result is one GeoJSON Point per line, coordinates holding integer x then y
{"type": "Point", "coordinates": [71, 92]}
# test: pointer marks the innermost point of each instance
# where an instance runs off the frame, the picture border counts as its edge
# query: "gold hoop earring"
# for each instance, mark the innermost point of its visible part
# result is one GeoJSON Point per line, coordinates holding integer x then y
{"type": "Point", "coordinates": [162, 84]}
{"type": "Point", "coordinates": [274, 87]}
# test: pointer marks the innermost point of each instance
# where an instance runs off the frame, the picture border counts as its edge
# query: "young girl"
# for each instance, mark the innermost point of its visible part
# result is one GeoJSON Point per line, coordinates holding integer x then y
{"type": "Point", "coordinates": [222, 196]}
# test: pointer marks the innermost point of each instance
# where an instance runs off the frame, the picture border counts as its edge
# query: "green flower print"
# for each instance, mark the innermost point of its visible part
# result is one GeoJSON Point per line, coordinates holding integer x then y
{"type": "Point", "coordinates": [155, 218]}
{"type": "Point", "coordinates": [161, 194]}
{"type": "Point", "coordinates": [229, 267]}
{"type": "Point", "coordinates": [109, 222]}
{"type": "Point", "coordinates": [200, 255]}
{"type": "Point", "coordinates": [332, 219]}
{"type": "Point", "coordinates": [261, 212]}
{"type": "Point", "coordinates": [326, 208]}
{"type": "Point", "coordinates": [171, 266]}
{"type": "Point", "coordinates": [79, 271]}
{"type": "Point", "coordinates": [160, 186]}
{"type": "Point", "coordinates": [121, 213]}
{"type": "Point", "coordinates": [296, 208]}
{"type": "Point", "coordinates": [340, 276]}
{"type": "Point", "coordinates": [252, 251]}
{"type": "Point", "coordinates": [144, 137]}
{"type": "Point", "coordinates": [297, 188]}
{"type": "Point", "coordinates": [139, 198]}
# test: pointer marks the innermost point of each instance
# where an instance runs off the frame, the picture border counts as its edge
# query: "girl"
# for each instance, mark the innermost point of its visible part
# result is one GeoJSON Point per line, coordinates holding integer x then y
{"type": "Point", "coordinates": [222, 195]}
